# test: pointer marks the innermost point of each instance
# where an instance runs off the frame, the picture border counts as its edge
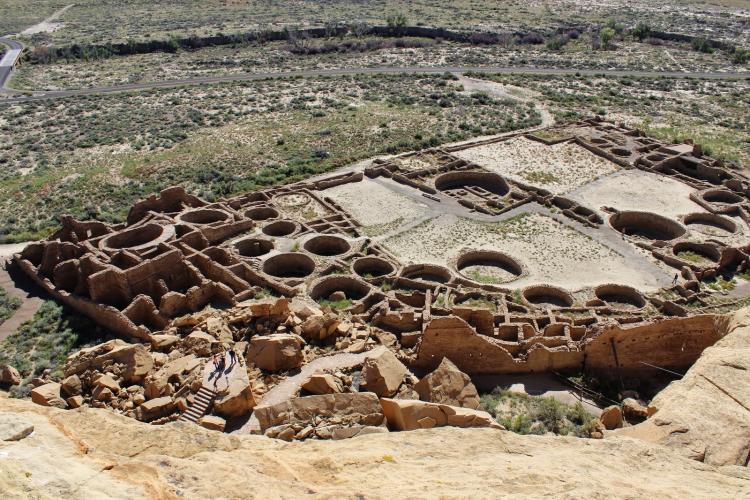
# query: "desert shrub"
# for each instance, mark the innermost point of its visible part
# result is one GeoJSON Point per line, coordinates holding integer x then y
{"type": "Point", "coordinates": [606, 35]}
{"type": "Point", "coordinates": [558, 42]}
{"type": "Point", "coordinates": [702, 45]}
{"type": "Point", "coordinates": [740, 55]}
{"type": "Point", "coordinates": [641, 31]}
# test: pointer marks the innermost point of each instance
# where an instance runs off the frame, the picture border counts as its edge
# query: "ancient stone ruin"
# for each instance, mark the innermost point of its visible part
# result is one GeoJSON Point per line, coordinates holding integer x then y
{"type": "Point", "coordinates": [289, 275]}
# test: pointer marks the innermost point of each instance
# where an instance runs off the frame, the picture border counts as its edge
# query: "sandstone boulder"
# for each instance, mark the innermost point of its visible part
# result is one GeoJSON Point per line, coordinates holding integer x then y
{"type": "Point", "coordinates": [9, 375]}
{"type": "Point", "coordinates": [633, 410]}
{"type": "Point", "coordinates": [239, 398]}
{"type": "Point", "coordinates": [155, 408]}
{"type": "Point", "coordinates": [198, 343]}
{"type": "Point", "coordinates": [48, 395]}
{"type": "Point", "coordinates": [175, 370]}
{"type": "Point", "coordinates": [304, 308]}
{"type": "Point", "coordinates": [218, 329]}
{"type": "Point", "coordinates": [72, 386]}
{"type": "Point", "coordinates": [213, 423]}
{"type": "Point", "coordinates": [382, 373]}
{"type": "Point", "coordinates": [108, 382]}
{"type": "Point", "coordinates": [323, 413]}
{"type": "Point", "coordinates": [611, 417]}
{"type": "Point", "coordinates": [135, 358]}
{"type": "Point", "coordinates": [164, 341]}
{"type": "Point", "coordinates": [75, 401]}
{"type": "Point", "coordinates": [407, 415]}
{"type": "Point", "coordinates": [320, 326]}
{"type": "Point", "coordinates": [276, 352]}
{"type": "Point", "coordinates": [322, 383]}
{"type": "Point", "coordinates": [448, 385]}
{"type": "Point", "coordinates": [14, 427]}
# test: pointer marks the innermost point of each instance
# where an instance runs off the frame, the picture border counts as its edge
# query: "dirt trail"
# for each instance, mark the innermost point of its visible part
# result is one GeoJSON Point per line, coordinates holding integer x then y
{"type": "Point", "coordinates": [289, 387]}
{"type": "Point", "coordinates": [29, 306]}
{"type": "Point", "coordinates": [48, 25]}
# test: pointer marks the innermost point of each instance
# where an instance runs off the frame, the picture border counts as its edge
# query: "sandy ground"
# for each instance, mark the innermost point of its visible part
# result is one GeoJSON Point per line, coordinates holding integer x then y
{"type": "Point", "coordinates": [7, 251]}
{"type": "Point", "coordinates": [92, 453]}
{"type": "Point", "coordinates": [638, 190]}
{"type": "Point", "coordinates": [559, 168]}
{"type": "Point", "coordinates": [551, 252]}
{"type": "Point", "coordinates": [377, 208]}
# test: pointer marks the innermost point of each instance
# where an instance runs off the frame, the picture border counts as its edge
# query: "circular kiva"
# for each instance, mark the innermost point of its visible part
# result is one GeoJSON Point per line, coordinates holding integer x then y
{"type": "Point", "coordinates": [372, 267]}
{"type": "Point", "coordinates": [485, 180]}
{"type": "Point", "coordinates": [289, 265]}
{"type": "Point", "coordinates": [427, 272]}
{"type": "Point", "coordinates": [293, 200]}
{"type": "Point", "coordinates": [656, 157]}
{"type": "Point", "coordinates": [351, 288]}
{"type": "Point", "coordinates": [488, 266]}
{"type": "Point", "coordinates": [253, 247]}
{"type": "Point", "coordinates": [280, 228]}
{"type": "Point", "coordinates": [647, 225]}
{"type": "Point", "coordinates": [327, 245]}
{"type": "Point", "coordinates": [620, 295]}
{"type": "Point", "coordinates": [708, 223]}
{"type": "Point", "coordinates": [138, 238]}
{"type": "Point", "coordinates": [202, 216]}
{"type": "Point", "coordinates": [703, 251]}
{"type": "Point", "coordinates": [547, 295]}
{"type": "Point", "coordinates": [721, 196]}
{"type": "Point", "coordinates": [261, 213]}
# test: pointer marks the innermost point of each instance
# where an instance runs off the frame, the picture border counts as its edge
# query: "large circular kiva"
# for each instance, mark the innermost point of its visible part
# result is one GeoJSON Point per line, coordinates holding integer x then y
{"type": "Point", "coordinates": [202, 216]}
{"type": "Point", "coordinates": [721, 196]}
{"type": "Point", "coordinates": [253, 247]}
{"type": "Point", "coordinates": [646, 225]}
{"type": "Point", "coordinates": [289, 265]}
{"type": "Point", "coordinates": [280, 228]}
{"type": "Point", "coordinates": [327, 245]}
{"type": "Point", "coordinates": [620, 296]}
{"type": "Point", "coordinates": [711, 224]}
{"type": "Point", "coordinates": [351, 288]}
{"type": "Point", "coordinates": [372, 267]}
{"type": "Point", "coordinates": [547, 295]}
{"type": "Point", "coordinates": [427, 272]}
{"type": "Point", "coordinates": [138, 238]}
{"type": "Point", "coordinates": [462, 179]}
{"type": "Point", "coordinates": [488, 266]}
{"type": "Point", "coordinates": [261, 213]}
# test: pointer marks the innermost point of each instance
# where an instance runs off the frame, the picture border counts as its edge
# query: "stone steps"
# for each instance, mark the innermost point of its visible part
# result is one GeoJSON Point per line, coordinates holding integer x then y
{"type": "Point", "coordinates": [202, 402]}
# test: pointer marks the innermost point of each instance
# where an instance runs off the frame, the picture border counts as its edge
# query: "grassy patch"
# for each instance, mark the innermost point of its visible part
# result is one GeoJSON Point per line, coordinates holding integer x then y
{"type": "Point", "coordinates": [336, 305]}
{"type": "Point", "coordinates": [691, 256]}
{"type": "Point", "coordinates": [45, 342]}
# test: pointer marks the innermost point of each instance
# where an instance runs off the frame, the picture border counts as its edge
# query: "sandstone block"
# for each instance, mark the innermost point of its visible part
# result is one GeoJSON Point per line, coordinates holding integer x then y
{"type": "Point", "coordinates": [9, 375]}
{"type": "Point", "coordinates": [322, 383]}
{"type": "Point", "coordinates": [611, 417]}
{"type": "Point", "coordinates": [213, 423]}
{"type": "Point", "coordinates": [276, 352]}
{"type": "Point", "coordinates": [382, 373]}
{"type": "Point", "coordinates": [48, 395]}
{"type": "Point", "coordinates": [72, 386]}
{"type": "Point", "coordinates": [405, 415]}
{"type": "Point", "coordinates": [448, 385]}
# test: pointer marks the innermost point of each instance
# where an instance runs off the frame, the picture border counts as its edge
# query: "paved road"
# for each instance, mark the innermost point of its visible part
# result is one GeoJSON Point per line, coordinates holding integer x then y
{"type": "Point", "coordinates": [9, 59]}
{"type": "Point", "coordinates": [357, 71]}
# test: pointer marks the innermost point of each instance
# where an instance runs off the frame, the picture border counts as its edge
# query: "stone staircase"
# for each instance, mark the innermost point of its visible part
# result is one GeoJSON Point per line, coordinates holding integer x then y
{"type": "Point", "coordinates": [202, 402]}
